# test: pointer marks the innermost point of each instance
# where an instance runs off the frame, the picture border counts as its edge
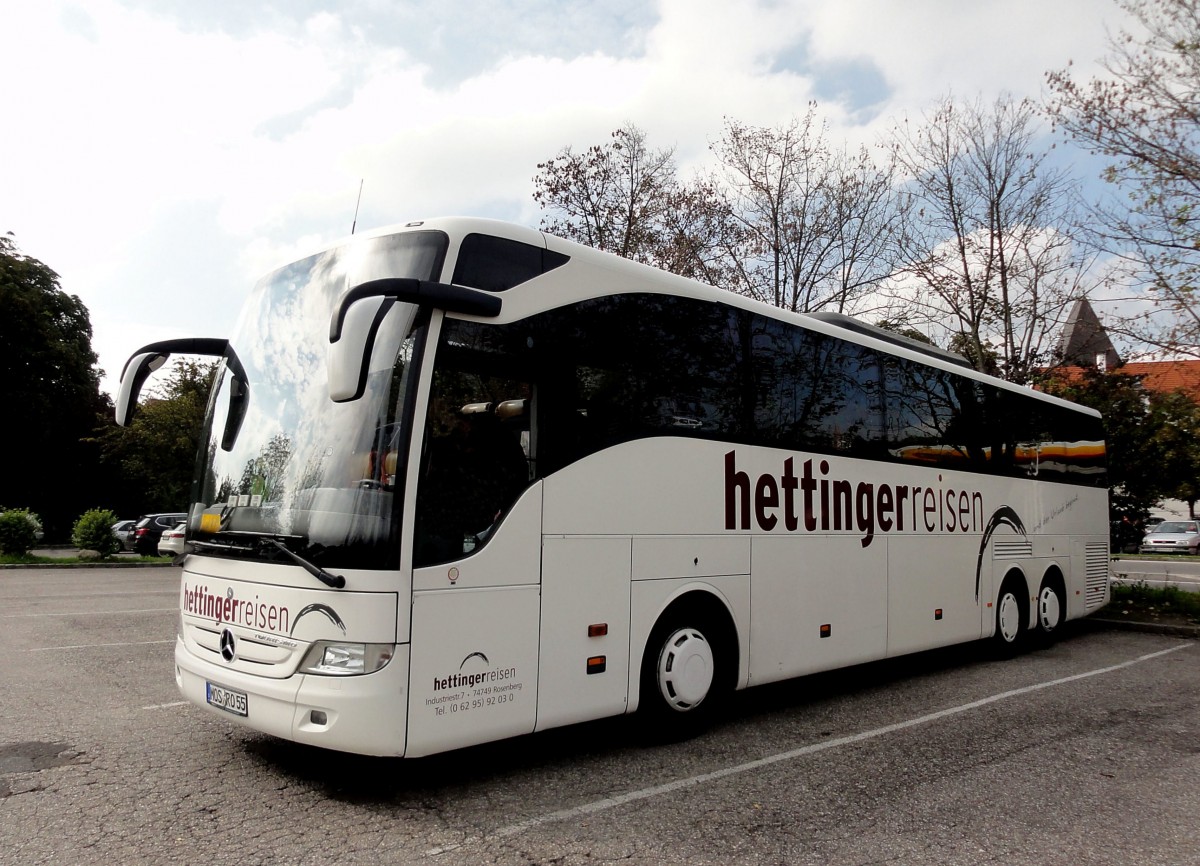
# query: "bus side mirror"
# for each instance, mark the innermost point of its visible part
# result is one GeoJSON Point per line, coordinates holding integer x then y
{"type": "Point", "coordinates": [133, 377]}
{"type": "Point", "coordinates": [149, 358]}
{"type": "Point", "coordinates": [350, 353]}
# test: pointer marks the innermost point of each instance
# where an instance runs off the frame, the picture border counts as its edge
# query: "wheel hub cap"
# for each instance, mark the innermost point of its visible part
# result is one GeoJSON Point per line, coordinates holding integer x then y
{"type": "Point", "coordinates": [1009, 621]}
{"type": "Point", "coordinates": [685, 669]}
{"type": "Point", "coordinates": [1049, 610]}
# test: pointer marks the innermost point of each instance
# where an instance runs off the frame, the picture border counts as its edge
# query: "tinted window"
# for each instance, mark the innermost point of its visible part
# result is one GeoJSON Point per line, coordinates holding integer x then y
{"type": "Point", "coordinates": [1028, 437]}
{"type": "Point", "coordinates": [495, 264]}
{"type": "Point", "coordinates": [815, 392]}
{"type": "Point", "coordinates": [630, 366]}
{"type": "Point", "coordinates": [477, 456]}
{"type": "Point", "coordinates": [932, 416]}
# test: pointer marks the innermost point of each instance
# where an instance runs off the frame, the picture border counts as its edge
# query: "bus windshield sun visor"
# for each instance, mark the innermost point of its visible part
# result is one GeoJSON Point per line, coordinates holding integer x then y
{"type": "Point", "coordinates": [149, 358]}
{"type": "Point", "coordinates": [452, 299]}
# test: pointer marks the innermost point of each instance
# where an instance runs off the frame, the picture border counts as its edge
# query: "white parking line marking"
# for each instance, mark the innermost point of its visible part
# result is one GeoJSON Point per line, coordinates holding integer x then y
{"type": "Point", "coordinates": [691, 781]}
{"type": "Point", "coordinates": [90, 612]}
{"type": "Point", "coordinates": [165, 706]}
{"type": "Point", "coordinates": [44, 649]}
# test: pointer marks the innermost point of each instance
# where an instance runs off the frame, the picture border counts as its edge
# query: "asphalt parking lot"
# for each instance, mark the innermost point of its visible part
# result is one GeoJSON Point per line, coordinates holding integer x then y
{"type": "Point", "coordinates": [1084, 752]}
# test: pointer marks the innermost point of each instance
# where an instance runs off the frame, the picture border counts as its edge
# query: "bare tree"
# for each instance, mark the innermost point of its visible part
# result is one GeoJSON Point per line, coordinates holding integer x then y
{"type": "Point", "coordinates": [787, 219]}
{"type": "Point", "coordinates": [612, 197]}
{"type": "Point", "coordinates": [868, 216]}
{"type": "Point", "coordinates": [1144, 114]}
{"type": "Point", "coordinates": [817, 222]}
{"type": "Point", "coordinates": [701, 237]}
{"type": "Point", "coordinates": [990, 256]}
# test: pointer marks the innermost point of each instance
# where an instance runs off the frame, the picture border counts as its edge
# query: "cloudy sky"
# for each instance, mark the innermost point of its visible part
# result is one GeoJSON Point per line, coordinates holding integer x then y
{"type": "Point", "coordinates": [160, 155]}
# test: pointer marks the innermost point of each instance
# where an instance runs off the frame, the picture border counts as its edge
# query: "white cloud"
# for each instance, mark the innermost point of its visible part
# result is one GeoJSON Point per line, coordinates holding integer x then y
{"type": "Point", "coordinates": [161, 165]}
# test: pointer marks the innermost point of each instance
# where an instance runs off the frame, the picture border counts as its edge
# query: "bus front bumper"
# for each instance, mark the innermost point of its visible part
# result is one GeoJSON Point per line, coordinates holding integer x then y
{"type": "Point", "coordinates": [362, 714]}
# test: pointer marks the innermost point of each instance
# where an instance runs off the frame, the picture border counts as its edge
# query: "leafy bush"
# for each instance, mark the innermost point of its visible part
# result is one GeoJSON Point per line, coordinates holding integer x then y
{"type": "Point", "coordinates": [1130, 598]}
{"type": "Point", "coordinates": [20, 530]}
{"type": "Point", "coordinates": [93, 531]}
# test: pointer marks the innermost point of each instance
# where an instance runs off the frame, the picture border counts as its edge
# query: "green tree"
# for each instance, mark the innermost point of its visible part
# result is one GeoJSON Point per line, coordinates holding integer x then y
{"type": "Point", "coordinates": [50, 387]}
{"type": "Point", "coordinates": [157, 452]}
{"type": "Point", "coordinates": [1152, 439]}
{"type": "Point", "coordinates": [1143, 114]}
{"type": "Point", "coordinates": [1178, 443]}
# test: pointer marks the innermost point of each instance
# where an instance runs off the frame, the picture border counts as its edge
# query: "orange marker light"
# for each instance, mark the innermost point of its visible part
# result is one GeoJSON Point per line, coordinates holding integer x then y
{"type": "Point", "coordinates": [597, 664]}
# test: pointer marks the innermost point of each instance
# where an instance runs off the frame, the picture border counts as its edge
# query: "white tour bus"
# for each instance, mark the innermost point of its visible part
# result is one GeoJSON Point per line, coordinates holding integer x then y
{"type": "Point", "coordinates": [461, 480]}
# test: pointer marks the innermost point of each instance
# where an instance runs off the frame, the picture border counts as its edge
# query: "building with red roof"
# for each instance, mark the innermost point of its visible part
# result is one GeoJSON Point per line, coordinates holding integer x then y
{"type": "Point", "coordinates": [1085, 345]}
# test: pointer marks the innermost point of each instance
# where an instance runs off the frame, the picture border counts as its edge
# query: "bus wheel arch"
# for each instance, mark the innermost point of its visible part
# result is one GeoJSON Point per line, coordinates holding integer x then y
{"type": "Point", "coordinates": [1012, 612]}
{"type": "Point", "coordinates": [690, 663]}
{"type": "Point", "coordinates": [1051, 603]}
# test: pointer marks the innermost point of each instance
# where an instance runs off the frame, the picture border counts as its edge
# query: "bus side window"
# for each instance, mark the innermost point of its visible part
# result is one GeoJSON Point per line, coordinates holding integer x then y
{"type": "Point", "coordinates": [475, 465]}
{"type": "Point", "coordinates": [514, 420]}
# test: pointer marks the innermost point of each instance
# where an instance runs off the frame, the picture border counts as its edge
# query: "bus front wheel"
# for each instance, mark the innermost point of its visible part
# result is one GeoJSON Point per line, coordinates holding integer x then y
{"type": "Point", "coordinates": [685, 672]}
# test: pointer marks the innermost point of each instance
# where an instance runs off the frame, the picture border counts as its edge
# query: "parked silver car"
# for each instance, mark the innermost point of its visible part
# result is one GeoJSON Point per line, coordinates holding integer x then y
{"type": "Point", "coordinates": [123, 529]}
{"type": "Point", "coordinates": [1173, 536]}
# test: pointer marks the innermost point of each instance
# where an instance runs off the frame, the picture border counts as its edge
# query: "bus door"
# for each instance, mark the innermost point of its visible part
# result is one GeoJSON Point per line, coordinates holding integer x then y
{"type": "Point", "coordinates": [476, 557]}
{"type": "Point", "coordinates": [584, 660]}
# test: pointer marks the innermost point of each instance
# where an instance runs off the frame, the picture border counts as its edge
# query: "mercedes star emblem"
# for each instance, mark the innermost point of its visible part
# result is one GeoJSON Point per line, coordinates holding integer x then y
{"type": "Point", "coordinates": [228, 648]}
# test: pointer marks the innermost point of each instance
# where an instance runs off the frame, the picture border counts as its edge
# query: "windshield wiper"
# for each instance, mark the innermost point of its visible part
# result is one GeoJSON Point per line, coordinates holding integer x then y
{"type": "Point", "coordinates": [254, 543]}
{"type": "Point", "coordinates": [334, 580]}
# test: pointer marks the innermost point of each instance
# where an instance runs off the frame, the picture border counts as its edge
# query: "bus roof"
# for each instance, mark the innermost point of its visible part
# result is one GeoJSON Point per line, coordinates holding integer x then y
{"type": "Point", "coordinates": [659, 281]}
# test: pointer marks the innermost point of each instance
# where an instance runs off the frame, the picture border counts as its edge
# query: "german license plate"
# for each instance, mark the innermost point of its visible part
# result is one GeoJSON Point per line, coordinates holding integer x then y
{"type": "Point", "coordinates": [227, 699]}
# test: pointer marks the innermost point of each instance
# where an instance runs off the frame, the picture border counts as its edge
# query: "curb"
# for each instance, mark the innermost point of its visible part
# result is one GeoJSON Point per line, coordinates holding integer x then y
{"type": "Point", "coordinates": [1176, 630]}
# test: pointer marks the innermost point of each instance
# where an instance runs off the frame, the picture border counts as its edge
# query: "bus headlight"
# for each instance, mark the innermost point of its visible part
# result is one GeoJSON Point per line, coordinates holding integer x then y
{"type": "Point", "coordinates": [331, 658]}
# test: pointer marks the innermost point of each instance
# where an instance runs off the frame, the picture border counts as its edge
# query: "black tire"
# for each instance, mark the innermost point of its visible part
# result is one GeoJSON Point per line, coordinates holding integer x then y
{"type": "Point", "coordinates": [1051, 608]}
{"type": "Point", "coordinates": [688, 672]}
{"type": "Point", "coordinates": [1011, 618]}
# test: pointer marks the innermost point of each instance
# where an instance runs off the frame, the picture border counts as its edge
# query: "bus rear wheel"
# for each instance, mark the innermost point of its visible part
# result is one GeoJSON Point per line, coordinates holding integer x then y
{"type": "Point", "coordinates": [1051, 609]}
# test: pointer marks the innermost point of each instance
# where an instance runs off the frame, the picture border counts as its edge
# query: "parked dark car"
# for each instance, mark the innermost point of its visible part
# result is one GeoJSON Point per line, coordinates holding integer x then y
{"type": "Point", "coordinates": [150, 528]}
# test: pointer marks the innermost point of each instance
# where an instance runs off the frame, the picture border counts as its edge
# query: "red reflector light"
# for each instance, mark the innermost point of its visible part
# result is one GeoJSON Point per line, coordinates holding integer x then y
{"type": "Point", "coordinates": [937, 614]}
{"type": "Point", "coordinates": [599, 629]}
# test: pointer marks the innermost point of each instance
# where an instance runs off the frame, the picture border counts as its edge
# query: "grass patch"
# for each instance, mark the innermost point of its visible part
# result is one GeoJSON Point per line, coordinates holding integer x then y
{"type": "Point", "coordinates": [1160, 603]}
{"type": "Point", "coordinates": [30, 559]}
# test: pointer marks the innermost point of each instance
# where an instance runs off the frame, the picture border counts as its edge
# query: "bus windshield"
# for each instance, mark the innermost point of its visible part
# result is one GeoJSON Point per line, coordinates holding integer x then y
{"type": "Point", "coordinates": [317, 476]}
